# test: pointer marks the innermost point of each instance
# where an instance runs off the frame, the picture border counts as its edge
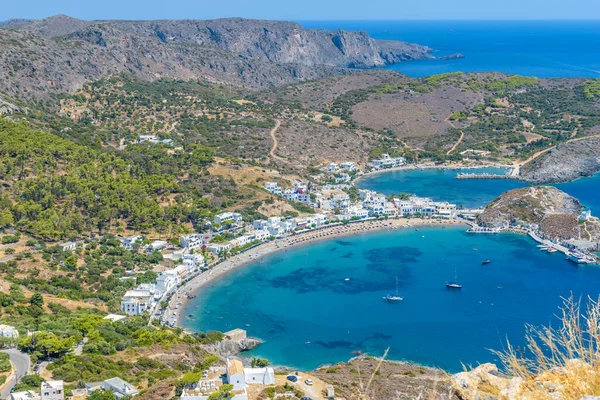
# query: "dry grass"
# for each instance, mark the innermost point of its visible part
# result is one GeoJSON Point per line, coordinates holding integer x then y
{"type": "Point", "coordinates": [560, 362]}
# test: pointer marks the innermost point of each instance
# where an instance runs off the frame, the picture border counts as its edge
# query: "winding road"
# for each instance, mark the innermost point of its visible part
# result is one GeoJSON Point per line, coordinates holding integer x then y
{"type": "Point", "coordinates": [275, 141]}
{"type": "Point", "coordinates": [22, 364]}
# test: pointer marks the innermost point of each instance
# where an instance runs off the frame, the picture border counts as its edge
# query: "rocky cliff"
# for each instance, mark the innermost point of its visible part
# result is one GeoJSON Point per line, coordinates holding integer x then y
{"type": "Point", "coordinates": [60, 54]}
{"type": "Point", "coordinates": [228, 348]}
{"type": "Point", "coordinates": [567, 162]}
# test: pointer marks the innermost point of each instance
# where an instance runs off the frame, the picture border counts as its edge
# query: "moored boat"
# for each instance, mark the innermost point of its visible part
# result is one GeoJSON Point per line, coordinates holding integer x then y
{"type": "Point", "coordinates": [485, 262]}
{"type": "Point", "coordinates": [394, 297]}
{"type": "Point", "coordinates": [454, 284]}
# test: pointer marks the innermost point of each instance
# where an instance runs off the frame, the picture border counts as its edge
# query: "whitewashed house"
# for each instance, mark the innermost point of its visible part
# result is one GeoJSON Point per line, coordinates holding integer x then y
{"type": "Point", "coordinates": [137, 301]}
{"type": "Point", "coordinates": [260, 224]}
{"type": "Point", "coordinates": [261, 234]}
{"type": "Point", "coordinates": [52, 390]}
{"type": "Point", "coordinates": [262, 376]}
{"type": "Point", "coordinates": [68, 246]}
{"type": "Point", "coordinates": [128, 242]}
{"type": "Point", "coordinates": [192, 241]}
{"type": "Point", "coordinates": [235, 374]}
{"type": "Point", "coordinates": [348, 166]}
{"type": "Point", "coordinates": [235, 217]}
{"type": "Point", "coordinates": [332, 167]}
{"type": "Point", "coordinates": [167, 280]}
{"type": "Point", "coordinates": [8, 331]}
{"type": "Point", "coordinates": [273, 187]}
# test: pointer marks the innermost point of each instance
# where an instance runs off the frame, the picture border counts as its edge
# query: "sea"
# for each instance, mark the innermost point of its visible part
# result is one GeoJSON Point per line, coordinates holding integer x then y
{"type": "Point", "coordinates": [546, 49]}
{"type": "Point", "coordinates": [322, 303]}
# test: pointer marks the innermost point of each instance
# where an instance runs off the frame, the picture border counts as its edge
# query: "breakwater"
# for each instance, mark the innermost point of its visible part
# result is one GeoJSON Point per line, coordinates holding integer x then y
{"type": "Point", "coordinates": [484, 176]}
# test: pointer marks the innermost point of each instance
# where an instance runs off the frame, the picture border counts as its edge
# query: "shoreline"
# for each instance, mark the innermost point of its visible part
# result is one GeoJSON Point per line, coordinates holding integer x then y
{"type": "Point", "coordinates": [412, 167]}
{"type": "Point", "coordinates": [304, 238]}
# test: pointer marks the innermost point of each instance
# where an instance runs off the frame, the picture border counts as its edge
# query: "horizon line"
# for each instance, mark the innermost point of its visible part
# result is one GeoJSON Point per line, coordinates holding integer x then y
{"type": "Point", "coordinates": [331, 19]}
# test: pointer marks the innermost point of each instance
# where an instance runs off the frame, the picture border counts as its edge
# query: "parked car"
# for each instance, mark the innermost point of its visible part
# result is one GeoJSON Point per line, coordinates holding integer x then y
{"type": "Point", "coordinates": [306, 398]}
{"type": "Point", "coordinates": [308, 382]}
{"type": "Point", "coordinates": [292, 378]}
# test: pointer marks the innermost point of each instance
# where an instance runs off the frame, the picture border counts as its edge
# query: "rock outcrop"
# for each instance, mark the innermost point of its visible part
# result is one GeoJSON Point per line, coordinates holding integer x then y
{"type": "Point", "coordinates": [567, 162]}
{"type": "Point", "coordinates": [545, 208]}
{"type": "Point", "coordinates": [486, 382]}
{"type": "Point", "coordinates": [60, 54]}
{"type": "Point", "coordinates": [227, 348]}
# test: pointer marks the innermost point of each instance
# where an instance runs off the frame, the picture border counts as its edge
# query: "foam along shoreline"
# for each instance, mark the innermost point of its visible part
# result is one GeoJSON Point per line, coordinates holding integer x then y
{"type": "Point", "coordinates": [256, 253]}
{"type": "Point", "coordinates": [412, 167]}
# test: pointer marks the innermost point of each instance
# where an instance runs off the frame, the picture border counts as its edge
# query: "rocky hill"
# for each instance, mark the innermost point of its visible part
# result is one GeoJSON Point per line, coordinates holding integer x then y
{"type": "Point", "coordinates": [60, 54]}
{"type": "Point", "coordinates": [567, 162]}
{"type": "Point", "coordinates": [552, 210]}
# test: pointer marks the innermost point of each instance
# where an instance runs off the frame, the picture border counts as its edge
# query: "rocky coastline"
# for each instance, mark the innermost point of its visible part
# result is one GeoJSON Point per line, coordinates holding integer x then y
{"type": "Point", "coordinates": [567, 162]}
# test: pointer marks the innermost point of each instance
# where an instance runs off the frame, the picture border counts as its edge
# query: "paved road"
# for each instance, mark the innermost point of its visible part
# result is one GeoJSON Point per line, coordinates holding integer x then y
{"type": "Point", "coordinates": [22, 364]}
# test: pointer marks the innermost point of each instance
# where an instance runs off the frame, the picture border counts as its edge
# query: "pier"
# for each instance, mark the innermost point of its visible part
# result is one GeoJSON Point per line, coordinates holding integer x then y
{"type": "Point", "coordinates": [485, 176]}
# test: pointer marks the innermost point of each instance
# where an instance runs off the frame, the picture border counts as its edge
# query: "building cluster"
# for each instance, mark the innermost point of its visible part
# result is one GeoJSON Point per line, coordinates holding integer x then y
{"type": "Point", "coordinates": [7, 331]}
{"type": "Point", "coordinates": [373, 204]}
{"type": "Point", "coordinates": [155, 140]}
{"type": "Point", "coordinates": [387, 162]}
{"type": "Point", "coordinates": [236, 375]}
{"type": "Point", "coordinates": [341, 172]}
{"type": "Point", "coordinates": [298, 193]}
{"type": "Point", "coordinates": [146, 296]}
{"type": "Point", "coordinates": [54, 390]}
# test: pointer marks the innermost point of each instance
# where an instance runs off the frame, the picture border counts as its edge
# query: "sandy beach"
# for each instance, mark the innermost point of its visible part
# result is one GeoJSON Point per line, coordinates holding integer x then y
{"type": "Point", "coordinates": [251, 255]}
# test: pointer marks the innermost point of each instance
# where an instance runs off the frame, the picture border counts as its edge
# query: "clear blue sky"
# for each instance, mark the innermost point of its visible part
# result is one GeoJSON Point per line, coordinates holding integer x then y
{"type": "Point", "coordinates": [304, 9]}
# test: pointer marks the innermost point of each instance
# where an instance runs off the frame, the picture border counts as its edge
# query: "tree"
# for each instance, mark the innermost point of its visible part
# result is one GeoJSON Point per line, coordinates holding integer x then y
{"type": "Point", "coordinates": [71, 262]}
{"type": "Point", "coordinates": [36, 300]}
{"type": "Point", "coordinates": [259, 362]}
{"type": "Point", "coordinates": [101, 395]}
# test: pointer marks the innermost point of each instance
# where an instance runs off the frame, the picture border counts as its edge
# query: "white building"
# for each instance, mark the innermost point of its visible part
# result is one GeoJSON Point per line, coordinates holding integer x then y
{"type": "Point", "coordinates": [260, 224]}
{"type": "Point", "coordinates": [25, 395]}
{"type": "Point", "coordinates": [167, 280]}
{"type": "Point", "coordinates": [52, 390]}
{"type": "Point", "coordinates": [262, 376]}
{"type": "Point", "coordinates": [241, 241]}
{"type": "Point", "coordinates": [192, 241]}
{"type": "Point", "coordinates": [218, 248]}
{"type": "Point", "coordinates": [157, 245]}
{"type": "Point", "coordinates": [8, 331]}
{"type": "Point", "coordinates": [332, 167]}
{"type": "Point", "coordinates": [273, 187]}
{"type": "Point", "coordinates": [235, 374]}
{"type": "Point", "coordinates": [69, 246]}
{"type": "Point", "coordinates": [115, 317]}
{"type": "Point", "coordinates": [388, 162]}
{"type": "Point", "coordinates": [340, 201]}
{"type": "Point", "coordinates": [137, 301]}
{"type": "Point", "coordinates": [261, 234]}
{"type": "Point", "coordinates": [128, 242]}
{"type": "Point", "coordinates": [195, 261]}
{"type": "Point", "coordinates": [236, 218]}
{"type": "Point", "coordinates": [341, 178]}
{"type": "Point", "coordinates": [118, 386]}
{"type": "Point", "coordinates": [348, 166]}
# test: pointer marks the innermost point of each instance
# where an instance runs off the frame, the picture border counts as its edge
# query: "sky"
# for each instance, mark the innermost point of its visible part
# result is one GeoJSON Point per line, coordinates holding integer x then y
{"type": "Point", "coordinates": [306, 9]}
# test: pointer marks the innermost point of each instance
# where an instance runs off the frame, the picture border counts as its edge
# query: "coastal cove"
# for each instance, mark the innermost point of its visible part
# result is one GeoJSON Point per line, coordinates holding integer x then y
{"type": "Point", "coordinates": [441, 184]}
{"type": "Point", "coordinates": [301, 304]}
{"type": "Point", "coordinates": [320, 302]}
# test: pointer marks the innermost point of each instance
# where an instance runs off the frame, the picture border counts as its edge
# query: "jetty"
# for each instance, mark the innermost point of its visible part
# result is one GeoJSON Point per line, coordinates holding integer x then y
{"type": "Point", "coordinates": [464, 175]}
{"type": "Point", "coordinates": [482, 229]}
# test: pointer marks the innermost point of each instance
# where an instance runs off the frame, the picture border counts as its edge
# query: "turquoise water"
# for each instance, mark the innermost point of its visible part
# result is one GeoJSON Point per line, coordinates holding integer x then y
{"type": "Point", "coordinates": [300, 302]}
{"type": "Point", "coordinates": [537, 48]}
{"type": "Point", "coordinates": [441, 184]}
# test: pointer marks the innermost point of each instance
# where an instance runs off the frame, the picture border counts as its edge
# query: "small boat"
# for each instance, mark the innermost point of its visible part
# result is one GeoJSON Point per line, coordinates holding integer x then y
{"type": "Point", "coordinates": [485, 262]}
{"type": "Point", "coordinates": [394, 297]}
{"type": "Point", "coordinates": [454, 284]}
{"type": "Point", "coordinates": [552, 250]}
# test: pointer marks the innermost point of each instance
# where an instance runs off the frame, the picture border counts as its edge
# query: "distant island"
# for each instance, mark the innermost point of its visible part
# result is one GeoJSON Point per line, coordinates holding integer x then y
{"type": "Point", "coordinates": [454, 56]}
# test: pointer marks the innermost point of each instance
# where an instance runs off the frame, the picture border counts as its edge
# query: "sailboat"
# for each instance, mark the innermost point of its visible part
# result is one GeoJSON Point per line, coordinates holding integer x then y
{"type": "Point", "coordinates": [394, 297]}
{"type": "Point", "coordinates": [454, 284]}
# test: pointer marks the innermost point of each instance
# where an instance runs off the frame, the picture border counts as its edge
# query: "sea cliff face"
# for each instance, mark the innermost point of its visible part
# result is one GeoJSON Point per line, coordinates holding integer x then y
{"type": "Point", "coordinates": [60, 54]}
{"type": "Point", "coordinates": [567, 162]}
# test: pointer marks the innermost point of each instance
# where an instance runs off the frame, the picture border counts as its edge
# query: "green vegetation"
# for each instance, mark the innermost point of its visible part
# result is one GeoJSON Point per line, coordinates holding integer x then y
{"type": "Point", "coordinates": [591, 89]}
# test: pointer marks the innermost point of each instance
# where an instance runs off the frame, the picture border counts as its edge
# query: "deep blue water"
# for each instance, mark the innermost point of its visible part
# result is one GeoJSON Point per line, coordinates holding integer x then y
{"type": "Point", "coordinates": [300, 296]}
{"type": "Point", "coordinates": [537, 48]}
{"type": "Point", "coordinates": [441, 184]}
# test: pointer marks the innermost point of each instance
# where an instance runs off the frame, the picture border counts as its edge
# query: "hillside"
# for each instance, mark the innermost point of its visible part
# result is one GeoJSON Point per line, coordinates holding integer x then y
{"type": "Point", "coordinates": [566, 162]}
{"type": "Point", "coordinates": [554, 212]}
{"type": "Point", "coordinates": [60, 54]}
